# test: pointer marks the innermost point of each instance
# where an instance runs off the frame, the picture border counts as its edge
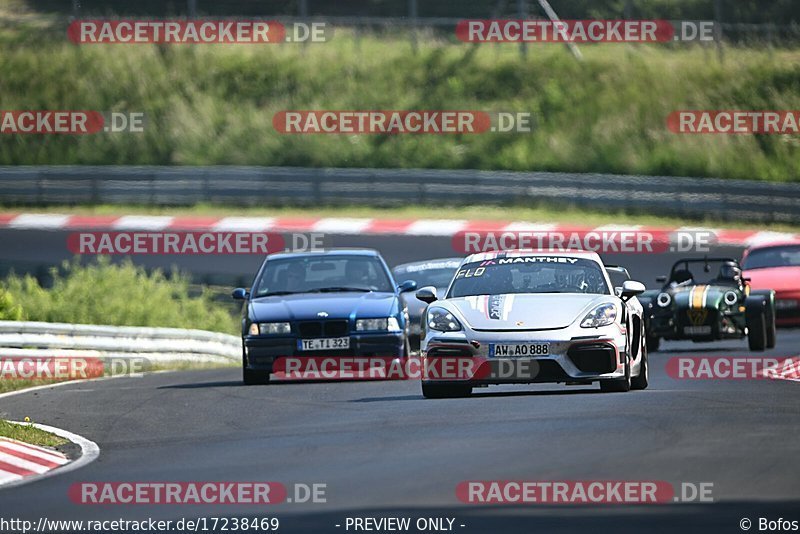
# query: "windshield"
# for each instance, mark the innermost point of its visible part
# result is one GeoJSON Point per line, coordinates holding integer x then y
{"type": "Point", "coordinates": [713, 272]}
{"type": "Point", "coordinates": [529, 274]}
{"type": "Point", "coordinates": [322, 274]}
{"type": "Point", "coordinates": [436, 274]}
{"type": "Point", "coordinates": [761, 258]}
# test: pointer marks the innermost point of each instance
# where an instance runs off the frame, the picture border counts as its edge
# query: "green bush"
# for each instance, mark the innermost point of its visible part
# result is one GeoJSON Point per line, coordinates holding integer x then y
{"type": "Point", "coordinates": [9, 310]}
{"type": "Point", "coordinates": [124, 294]}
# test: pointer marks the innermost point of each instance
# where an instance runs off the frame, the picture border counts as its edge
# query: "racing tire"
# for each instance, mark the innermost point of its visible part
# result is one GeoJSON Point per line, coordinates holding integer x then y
{"type": "Point", "coordinates": [446, 391]}
{"type": "Point", "coordinates": [618, 385]}
{"type": "Point", "coordinates": [251, 377]}
{"type": "Point", "coordinates": [641, 380]}
{"type": "Point", "coordinates": [757, 330]}
{"type": "Point", "coordinates": [254, 378]}
{"type": "Point", "coordinates": [771, 330]}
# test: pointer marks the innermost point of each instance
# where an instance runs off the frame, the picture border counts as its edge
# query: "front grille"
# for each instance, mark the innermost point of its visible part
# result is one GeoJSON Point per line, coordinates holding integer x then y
{"type": "Point", "coordinates": [593, 358]}
{"type": "Point", "coordinates": [333, 328]}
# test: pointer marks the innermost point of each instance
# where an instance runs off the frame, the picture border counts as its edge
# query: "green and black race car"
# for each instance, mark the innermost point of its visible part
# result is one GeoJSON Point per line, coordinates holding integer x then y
{"type": "Point", "coordinates": [707, 299]}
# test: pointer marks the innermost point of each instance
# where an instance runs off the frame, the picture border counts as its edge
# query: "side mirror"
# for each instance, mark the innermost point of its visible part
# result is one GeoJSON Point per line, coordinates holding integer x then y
{"type": "Point", "coordinates": [661, 278]}
{"type": "Point", "coordinates": [408, 285]}
{"type": "Point", "coordinates": [631, 288]}
{"type": "Point", "coordinates": [240, 293]}
{"type": "Point", "coordinates": [427, 294]}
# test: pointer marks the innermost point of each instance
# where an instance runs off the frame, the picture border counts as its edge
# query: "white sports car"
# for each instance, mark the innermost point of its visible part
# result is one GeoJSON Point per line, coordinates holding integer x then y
{"type": "Point", "coordinates": [532, 316]}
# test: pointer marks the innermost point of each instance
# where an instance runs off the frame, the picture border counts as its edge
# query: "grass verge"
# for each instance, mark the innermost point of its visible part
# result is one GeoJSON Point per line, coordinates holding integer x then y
{"type": "Point", "coordinates": [30, 434]}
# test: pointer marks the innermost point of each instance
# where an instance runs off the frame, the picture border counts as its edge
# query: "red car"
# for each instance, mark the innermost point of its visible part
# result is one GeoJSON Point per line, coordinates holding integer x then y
{"type": "Point", "coordinates": [776, 265]}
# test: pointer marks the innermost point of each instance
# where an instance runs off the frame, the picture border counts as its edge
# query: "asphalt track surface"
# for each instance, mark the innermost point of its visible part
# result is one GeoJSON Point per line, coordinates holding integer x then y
{"type": "Point", "coordinates": [384, 451]}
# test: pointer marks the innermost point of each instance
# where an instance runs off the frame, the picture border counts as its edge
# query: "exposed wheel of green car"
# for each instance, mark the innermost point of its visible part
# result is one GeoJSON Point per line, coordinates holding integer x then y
{"type": "Point", "coordinates": [757, 330]}
{"type": "Point", "coordinates": [445, 391]}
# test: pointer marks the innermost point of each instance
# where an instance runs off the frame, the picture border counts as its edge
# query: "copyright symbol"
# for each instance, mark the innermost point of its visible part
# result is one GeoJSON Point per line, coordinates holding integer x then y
{"type": "Point", "coordinates": [745, 524]}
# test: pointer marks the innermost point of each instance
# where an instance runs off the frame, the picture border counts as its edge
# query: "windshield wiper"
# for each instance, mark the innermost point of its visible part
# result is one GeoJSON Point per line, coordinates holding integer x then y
{"type": "Point", "coordinates": [276, 294]}
{"type": "Point", "coordinates": [339, 289]}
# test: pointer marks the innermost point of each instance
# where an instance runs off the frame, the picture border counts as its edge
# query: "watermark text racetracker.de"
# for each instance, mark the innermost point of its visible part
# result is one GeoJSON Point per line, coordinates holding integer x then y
{"type": "Point", "coordinates": [583, 31]}
{"type": "Point", "coordinates": [196, 31]}
{"type": "Point", "coordinates": [401, 122]}
{"type": "Point", "coordinates": [58, 368]}
{"type": "Point", "coordinates": [192, 243]}
{"type": "Point", "coordinates": [632, 241]}
{"type": "Point", "coordinates": [70, 122]}
{"type": "Point", "coordinates": [197, 492]}
{"type": "Point", "coordinates": [732, 122]}
{"type": "Point", "coordinates": [581, 492]}
{"type": "Point", "coordinates": [733, 368]}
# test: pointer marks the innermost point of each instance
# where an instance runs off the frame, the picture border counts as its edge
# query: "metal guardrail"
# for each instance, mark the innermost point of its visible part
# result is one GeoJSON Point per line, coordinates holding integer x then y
{"type": "Point", "coordinates": [273, 186]}
{"type": "Point", "coordinates": [37, 339]}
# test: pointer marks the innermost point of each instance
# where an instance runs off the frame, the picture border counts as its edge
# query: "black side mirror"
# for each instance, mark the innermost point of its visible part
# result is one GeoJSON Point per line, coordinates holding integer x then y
{"type": "Point", "coordinates": [240, 293]}
{"type": "Point", "coordinates": [427, 294]}
{"type": "Point", "coordinates": [408, 285]}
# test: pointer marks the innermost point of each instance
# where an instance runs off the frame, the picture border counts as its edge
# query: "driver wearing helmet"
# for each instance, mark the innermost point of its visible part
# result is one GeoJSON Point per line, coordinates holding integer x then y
{"type": "Point", "coordinates": [730, 273]}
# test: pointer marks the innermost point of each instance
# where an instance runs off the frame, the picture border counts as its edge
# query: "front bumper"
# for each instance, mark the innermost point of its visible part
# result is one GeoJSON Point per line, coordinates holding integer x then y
{"type": "Point", "coordinates": [701, 324]}
{"type": "Point", "coordinates": [574, 356]}
{"type": "Point", "coordinates": [261, 352]}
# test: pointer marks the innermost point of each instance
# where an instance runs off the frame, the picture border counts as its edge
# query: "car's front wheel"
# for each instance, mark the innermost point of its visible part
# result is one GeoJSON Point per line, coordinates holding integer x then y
{"type": "Point", "coordinates": [252, 377]}
{"type": "Point", "coordinates": [445, 391]}
{"type": "Point", "coordinates": [643, 378]}
{"type": "Point", "coordinates": [618, 385]}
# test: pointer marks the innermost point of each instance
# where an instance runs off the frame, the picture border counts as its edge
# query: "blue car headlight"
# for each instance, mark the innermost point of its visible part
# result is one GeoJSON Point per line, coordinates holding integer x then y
{"type": "Point", "coordinates": [441, 320]}
{"type": "Point", "coordinates": [603, 315]}
{"type": "Point", "coordinates": [268, 329]}
{"type": "Point", "coordinates": [381, 324]}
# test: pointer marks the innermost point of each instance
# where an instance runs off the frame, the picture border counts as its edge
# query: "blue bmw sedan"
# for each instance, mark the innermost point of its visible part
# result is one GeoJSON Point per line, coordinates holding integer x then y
{"type": "Point", "coordinates": [333, 303]}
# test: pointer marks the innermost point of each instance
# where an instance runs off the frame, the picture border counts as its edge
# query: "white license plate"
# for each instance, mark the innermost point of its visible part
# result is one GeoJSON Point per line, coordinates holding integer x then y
{"type": "Point", "coordinates": [519, 350]}
{"type": "Point", "coordinates": [696, 330]}
{"type": "Point", "coordinates": [325, 343]}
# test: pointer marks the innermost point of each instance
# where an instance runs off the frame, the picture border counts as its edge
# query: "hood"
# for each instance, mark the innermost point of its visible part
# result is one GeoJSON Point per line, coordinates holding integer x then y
{"type": "Point", "coordinates": [525, 311]}
{"type": "Point", "coordinates": [700, 296]}
{"type": "Point", "coordinates": [781, 279]}
{"type": "Point", "coordinates": [336, 305]}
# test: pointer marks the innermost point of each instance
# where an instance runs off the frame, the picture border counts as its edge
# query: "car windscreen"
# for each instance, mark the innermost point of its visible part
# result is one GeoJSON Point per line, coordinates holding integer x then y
{"type": "Point", "coordinates": [700, 272]}
{"type": "Point", "coordinates": [438, 276]}
{"type": "Point", "coordinates": [762, 258]}
{"type": "Point", "coordinates": [529, 274]}
{"type": "Point", "coordinates": [322, 274]}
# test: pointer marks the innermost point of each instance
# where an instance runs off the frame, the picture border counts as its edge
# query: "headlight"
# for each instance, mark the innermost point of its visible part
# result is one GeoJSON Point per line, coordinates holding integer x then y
{"type": "Point", "coordinates": [603, 315]}
{"type": "Point", "coordinates": [663, 299]}
{"type": "Point", "coordinates": [268, 329]}
{"type": "Point", "coordinates": [730, 298]}
{"type": "Point", "coordinates": [442, 320]}
{"type": "Point", "coordinates": [383, 324]}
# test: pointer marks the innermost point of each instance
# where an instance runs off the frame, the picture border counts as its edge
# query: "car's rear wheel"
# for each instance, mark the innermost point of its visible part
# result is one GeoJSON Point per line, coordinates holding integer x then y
{"type": "Point", "coordinates": [618, 385]}
{"type": "Point", "coordinates": [445, 391]}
